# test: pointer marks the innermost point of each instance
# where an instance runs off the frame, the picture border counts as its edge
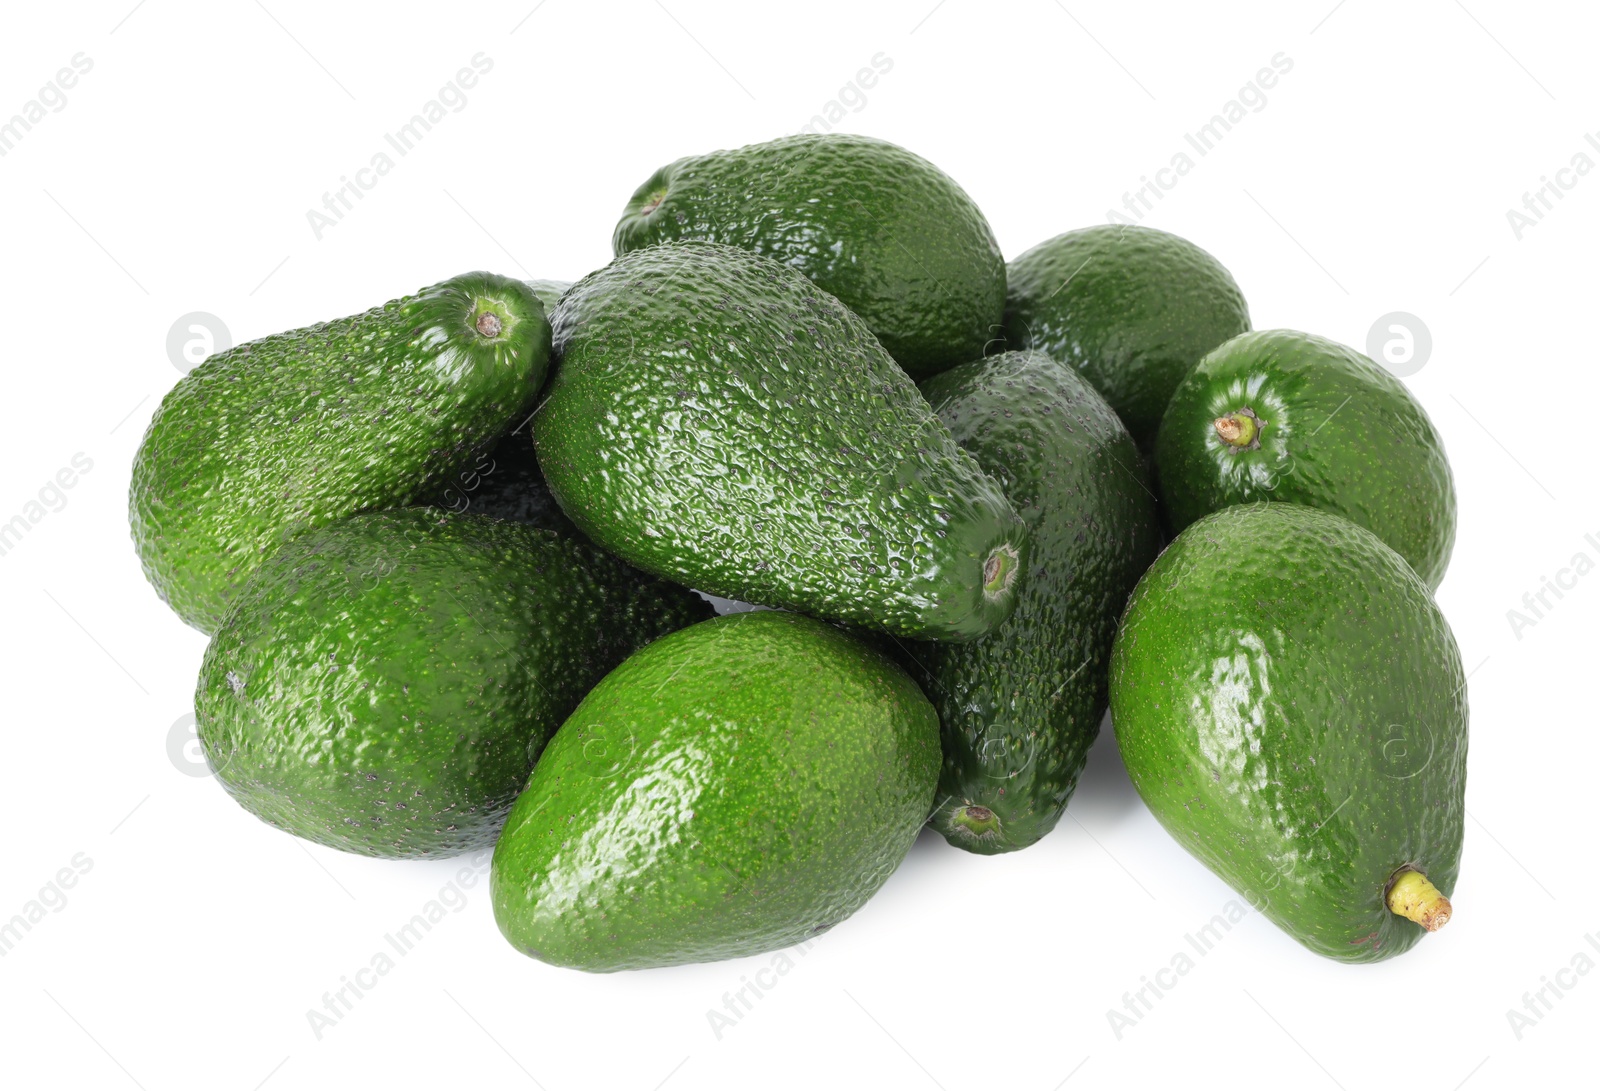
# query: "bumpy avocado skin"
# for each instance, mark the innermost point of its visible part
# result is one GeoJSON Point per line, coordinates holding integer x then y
{"type": "Point", "coordinates": [887, 232]}
{"type": "Point", "coordinates": [383, 684]}
{"type": "Point", "coordinates": [1337, 432]}
{"type": "Point", "coordinates": [1020, 707]}
{"type": "Point", "coordinates": [295, 430]}
{"type": "Point", "coordinates": [1289, 702]}
{"type": "Point", "coordinates": [722, 422]}
{"type": "Point", "coordinates": [734, 788]}
{"type": "Point", "coordinates": [505, 482]}
{"type": "Point", "coordinates": [1130, 307]}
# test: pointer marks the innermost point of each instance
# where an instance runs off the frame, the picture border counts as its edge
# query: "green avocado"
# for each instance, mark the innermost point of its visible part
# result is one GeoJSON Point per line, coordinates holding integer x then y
{"type": "Point", "coordinates": [1019, 708]}
{"type": "Point", "coordinates": [298, 429]}
{"type": "Point", "coordinates": [1281, 415]}
{"type": "Point", "coordinates": [736, 787]}
{"type": "Point", "coordinates": [383, 684]}
{"type": "Point", "coordinates": [1289, 702]}
{"type": "Point", "coordinates": [887, 232]}
{"type": "Point", "coordinates": [505, 482]}
{"type": "Point", "coordinates": [1130, 307]}
{"type": "Point", "coordinates": [549, 292]}
{"type": "Point", "coordinates": [720, 421]}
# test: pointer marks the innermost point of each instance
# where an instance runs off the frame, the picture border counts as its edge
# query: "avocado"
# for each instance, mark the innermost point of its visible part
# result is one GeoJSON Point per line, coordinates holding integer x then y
{"type": "Point", "coordinates": [1282, 415]}
{"type": "Point", "coordinates": [1019, 708]}
{"type": "Point", "coordinates": [383, 684]}
{"type": "Point", "coordinates": [298, 429]}
{"type": "Point", "coordinates": [736, 787]}
{"type": "Point", "coordinates": [549, 292]}
{"type": "Point", "coordinates": [720, 421]}
{"type": "Point", "coordinates": [1289, 702]}
{"type": "Point", "coordinates": [505, 482]}
{"type": "Point", "coordinates": [1131, 307]}
{"type": "Point", "coordinates": [887, 232]}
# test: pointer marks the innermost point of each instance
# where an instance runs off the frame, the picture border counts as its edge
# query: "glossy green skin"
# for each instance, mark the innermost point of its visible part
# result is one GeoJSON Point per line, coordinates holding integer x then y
{"type": "Point", "coordinates": [887, 232]}
{"type": "Point", "coordinates": [1289, 702]}
{"type": "Point", "coordinates": [1340, 433]}
{"type": "Point", "coordinates": [549, 292]}
{"type": "Point", "coordinates": [1130, 307]}
{"type": "Point", "coordinates": [505, 482]}
{"type": "Point", "coordinates": [384, 684]}
{"type": "Point", "coordinates": [718, 420]}
{"type": "Point", "coordinates": [298, 429]}
{"type": "Point", "coordinates": [734, 788]}
{"type": "Point", "coordinates": [1020, 707]}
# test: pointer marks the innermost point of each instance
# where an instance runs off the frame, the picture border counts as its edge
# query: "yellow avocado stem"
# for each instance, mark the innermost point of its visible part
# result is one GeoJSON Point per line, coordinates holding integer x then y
{"type": "Point", "coordinates": [1414, 898]}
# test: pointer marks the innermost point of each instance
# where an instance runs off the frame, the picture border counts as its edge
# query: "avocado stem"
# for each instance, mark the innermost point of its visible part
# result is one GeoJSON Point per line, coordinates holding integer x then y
{"type": "Point", "coordinates": [488, 324]}
{"type": "Point", "coordinates": [1239, 429]}
{"type": "Point", "coordinates": [999, 571]}
{"type": "Point", "coordinates": [976, 819]}
{"type": "Point", "coordinates": [1413, 897]}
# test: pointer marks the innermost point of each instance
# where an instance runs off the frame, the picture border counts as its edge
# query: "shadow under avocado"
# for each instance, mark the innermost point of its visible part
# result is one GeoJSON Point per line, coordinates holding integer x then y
{"type": "Point", "coordinates": [1104, 794]}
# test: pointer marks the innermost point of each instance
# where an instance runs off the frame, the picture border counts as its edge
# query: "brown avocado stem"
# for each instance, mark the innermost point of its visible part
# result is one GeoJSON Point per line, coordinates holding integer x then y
{"type": "Point", "coordinates": [1239, 429]}
{"type": "Point", "coordinates": [1413, 897]}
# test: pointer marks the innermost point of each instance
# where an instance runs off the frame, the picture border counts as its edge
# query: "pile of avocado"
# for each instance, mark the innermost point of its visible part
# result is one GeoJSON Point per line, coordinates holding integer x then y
{"type": "Point", "coordinates": [444, 552]}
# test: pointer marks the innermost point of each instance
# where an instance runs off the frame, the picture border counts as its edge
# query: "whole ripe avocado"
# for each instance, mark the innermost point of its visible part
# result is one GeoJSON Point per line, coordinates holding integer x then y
{"type": "Point", "coordinates": [505, 482]}
{"type": "Point", "coordinates": [296, 430]}
{"type": "Point", "coordinates": [383, 684]}
{"type": "Point", "coordinates": [1289, 702]}
{"type": "Point", "coordinates": [1130, 307]}
{"type": "Point", "coordinates": [1019, 708]}
{"type": "Point", "coordinates": [736, 787]}
{"type": "Point", "coordinates": [719, 420]}
{"type": "Point", "coordinates": [1289, 416]}
{"type": "Point", "coordinates": [888, 233]}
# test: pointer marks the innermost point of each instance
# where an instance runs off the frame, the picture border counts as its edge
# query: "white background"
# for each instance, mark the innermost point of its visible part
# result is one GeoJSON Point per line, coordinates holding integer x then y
{"type": "Point", "coordinates": [1376, 178]}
